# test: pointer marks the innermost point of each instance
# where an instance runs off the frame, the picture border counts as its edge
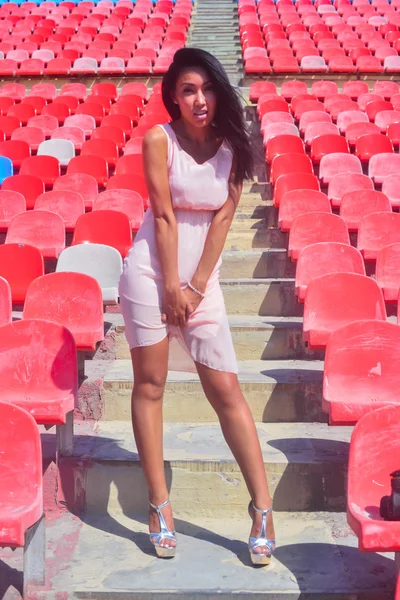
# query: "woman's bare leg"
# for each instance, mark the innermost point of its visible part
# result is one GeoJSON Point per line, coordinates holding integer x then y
{"type": "Point", "coordinates": [150, 367]}
{"type": "Point", "coordinates": [225, 396]}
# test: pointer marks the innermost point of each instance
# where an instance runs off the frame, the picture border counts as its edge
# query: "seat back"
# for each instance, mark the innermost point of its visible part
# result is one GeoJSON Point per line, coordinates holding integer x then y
{"type": "Point", "coordinates": [108, 227]}
{"type": "Point", "coordinates": [5, 302]}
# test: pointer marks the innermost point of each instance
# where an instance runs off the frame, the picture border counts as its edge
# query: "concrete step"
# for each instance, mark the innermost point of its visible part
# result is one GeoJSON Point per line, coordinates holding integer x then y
{"type": "Point", "coordinates": [109, 557]}
{"type": "Point", "coordinates": [256, 239]}
{"type": "Point", "coordinates": [254, 338]}
{"type": "Point", "coordinates": [276, 391]}
{"type": "Point", "coordinates": [247, 264]}
{"type": "Point", "coordinates": [266, 297]}
{"type": "Point", "coordinates": [305, 463]}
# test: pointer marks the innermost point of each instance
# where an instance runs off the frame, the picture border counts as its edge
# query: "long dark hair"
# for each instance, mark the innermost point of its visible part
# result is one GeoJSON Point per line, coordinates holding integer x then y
{"type": "Point", "coordinates": [229, 118]}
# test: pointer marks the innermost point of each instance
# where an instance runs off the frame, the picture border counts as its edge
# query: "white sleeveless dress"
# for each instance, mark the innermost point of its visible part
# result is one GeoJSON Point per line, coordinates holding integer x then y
{"type": "Point", "coordinates": [197, 191]}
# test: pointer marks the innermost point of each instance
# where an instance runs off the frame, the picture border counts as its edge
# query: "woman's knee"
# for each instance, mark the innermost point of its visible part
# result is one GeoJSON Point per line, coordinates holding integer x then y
{"type": "Point", "coordinates": [222, 390]}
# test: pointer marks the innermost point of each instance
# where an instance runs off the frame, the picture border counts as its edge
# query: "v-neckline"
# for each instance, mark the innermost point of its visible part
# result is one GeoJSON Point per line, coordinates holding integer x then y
{"type": "Point", "coordinates": [190, 156]}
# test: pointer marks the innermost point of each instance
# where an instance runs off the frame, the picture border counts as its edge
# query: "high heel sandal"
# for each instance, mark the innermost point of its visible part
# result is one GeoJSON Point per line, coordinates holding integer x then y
{"type": "Point", "coordinates": [256, 542]}
{"type": "Point", "coordinates": [163, 534]}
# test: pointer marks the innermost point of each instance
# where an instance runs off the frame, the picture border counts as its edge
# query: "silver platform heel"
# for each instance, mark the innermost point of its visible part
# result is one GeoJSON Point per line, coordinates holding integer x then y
{"type": "Point", "coordinates": [256, 542]}
{"type": "Point", "coordinates": [164, 534]}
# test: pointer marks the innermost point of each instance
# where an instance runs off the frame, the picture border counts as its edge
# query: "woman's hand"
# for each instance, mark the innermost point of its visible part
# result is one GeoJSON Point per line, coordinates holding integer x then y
{"type": "Point", "coordinates": [194, 299]}
{"type": "Point", "coordinates": [176, 307]}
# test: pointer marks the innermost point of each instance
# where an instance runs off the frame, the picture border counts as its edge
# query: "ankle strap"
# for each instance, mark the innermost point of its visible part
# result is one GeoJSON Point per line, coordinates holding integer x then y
{"type": "Point", "coordinates": [158, 508]}
{"type": "Point", "coordinates": [262, 512]}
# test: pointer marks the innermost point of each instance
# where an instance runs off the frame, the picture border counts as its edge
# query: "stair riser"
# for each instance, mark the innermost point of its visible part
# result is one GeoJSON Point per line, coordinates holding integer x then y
{"type": "Point", "coordinates": [278, 343]}
{"type": "Point", "coordinates": [256, 239]}
{"type": "Point", "coordinates": [185, 402]}
{"type": "Point", "coordinates": [275, 299]}
{"type": "Point", "coordinates": [199, 489]}
{"type": "Point", "coordinates": [246, 265]}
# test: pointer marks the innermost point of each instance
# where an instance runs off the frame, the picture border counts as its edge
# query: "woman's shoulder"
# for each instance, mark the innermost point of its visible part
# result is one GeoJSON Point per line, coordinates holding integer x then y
{"type": "Point", "coordinates": [156, 137]}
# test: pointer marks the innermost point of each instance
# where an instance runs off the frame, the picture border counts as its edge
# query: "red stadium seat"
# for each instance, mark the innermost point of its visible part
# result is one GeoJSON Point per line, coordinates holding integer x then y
{"type": "Point", "coordinates": [46, 354]}
{"type": "Point", "coordinates": [140, 65]}
{"type": "Point", "coordinates": [105, 89]}
{"type": "Point", "coordinates": [105, 148]}
{"type": "Point", "coordinates": [121, 121]}
{"type": "Point", "coordinates": [311, 228]}
{"type": "Point", "coordinates": [292, 88]}
{"type": "Point", "coordinates": [33, 136]}
{"type": "Point", "coordinates": [69, 205]}
{"type": "Point", "coordinates": [298, 202]}
{"type": "Point", "coordinates": [43, 229]}
{"type": "Point", "coordinates": [286, 163]}
{"type": "Point", "coordinates": [72, 134]}
{"type": "Point", "coordinates": [58, 66]}
{"type": "Point", "coordinates": [11, 204]}
{"type": "Point", "coordinates": [8, 67]}
{"type": "Point", "coordinates": [356, 130]}
{"type": "Point", "coordinates": [282, 144]}
{"type": "Point", "coordinates": [45, 167]}
{"type": "Point", "coordinates": [58, 110]}
{"type": "Point", "coordinates": [5, 304]}
{"type": "Point", "coordinates": [17, 91]}
{"type": "Point", "coordinates": [373, 108]}
{"type": "Point", "coordinates": [29, 186]}
{"type": "Point", "coordinates": [85, 122]}
{"type": "Point", "coordinates": [31, 67]}
{"type": "Point", "coordinates": [322, 258]}
{"type": "Point", "coordinates": [350, 296]}
{"type": "Point", "coordinates": [74, 89]}
{"type": "Point", "coordinates": [114, 134]}
{"type": "Point", "coordinates": [322, 89]}
{"type": "Point", "coordinates": [16, 151]}
{"type": "Point", "coordinates": [347, 182]}
{"type": "Point", "coordinates": [371, 144]}
{"type": "Point", "coordinates": [355, 205]}
{"type": "Point", "coordinates": [391, 187]}
{"type": "Point", "coordinates": [359, 357]}
{"type": "Point", "coordinates": [130, 164]}
{"type": "Point", "coordinates": [294, 181]}
{"type": "Point", "coordinates": [21, 495]}
{"type": "Point", "coordinates": [76, 303]}
{"type": "Point", "coordinates": [327, 144]}
{"type": "Point", "coordinates": [388, 271]}
{"type": "Point", "coordinates": [127, 182]}
{"type": "Point", "coordinates": [387, 89]}
{"type": "Point", "coordinates": [384, 118]}
{"type": "Point", "coordinates": [318, 129]}
{"type": "Point", "coordinates": [47, 123]}
{"type": "Point", "coordinates": [84, 184]}
{"type": "Point", "coordinates": [382, 165]}
{"type": "Point", "coordinates": [333, 164]}
{"type": "Point", "coordinates": [22, 112]}
{"type": "Point", "coordinates": [8, 124]}
{"type": "Point", "coordinates": [19, 265]}
{"type": "Point", "coordinates": [259, 88]}
{"type": "Point", "coordinates": [369, 481]}
{"type": "Point", "coordinates": [126, 201]}
{"type": "Point", "coordinates": [108, 227]}
{"type": "Point", "coordinates": [96, 166]}
{"type": "Point", "coordinates": [347, 117]}
{"type": "Point", "coordinates": [376, 231]}
{"type": "Point", "coordinates": [312, 117]}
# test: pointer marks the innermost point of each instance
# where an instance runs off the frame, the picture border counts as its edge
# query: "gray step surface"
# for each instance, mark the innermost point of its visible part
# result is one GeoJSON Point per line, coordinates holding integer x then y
{"type": "Point", "coordinates": [316, 558]}
{"type": "Point", "coordinates": [305, 464]}
{"type": "Point", "coordinates": [276, 391]}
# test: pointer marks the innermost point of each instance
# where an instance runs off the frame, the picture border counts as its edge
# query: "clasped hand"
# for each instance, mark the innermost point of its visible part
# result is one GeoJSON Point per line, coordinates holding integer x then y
{"type": "Point", "coordinates": [178, 305]}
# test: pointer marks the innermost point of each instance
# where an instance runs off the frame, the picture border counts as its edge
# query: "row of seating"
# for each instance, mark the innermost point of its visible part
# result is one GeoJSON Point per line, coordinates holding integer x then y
{"type": "Point", "coordinates": [87, 40]}
{"type": "Point", "coordinates": [349, 38]}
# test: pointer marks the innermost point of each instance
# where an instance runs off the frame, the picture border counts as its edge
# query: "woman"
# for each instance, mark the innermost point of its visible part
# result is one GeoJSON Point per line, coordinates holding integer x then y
{"type": "Point", "coordinates": [194, 168]}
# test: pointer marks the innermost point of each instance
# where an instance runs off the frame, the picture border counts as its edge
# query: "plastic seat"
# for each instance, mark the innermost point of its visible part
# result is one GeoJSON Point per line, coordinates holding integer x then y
{"type": "Point", "coordinates": [47, 123]}
{"type": "Point", "coordinates": [48, 389]}
{"type": "Point", "coordinates": [5, 304]}
{"type": "Point", "coordinates": [106, 89]}
{"type": "Point", "coordinates": [139, 65]}
{"type": "Point", "coordinates": [99, 261]}
{"type": "Point", "coordinates": [105, 148]}
{"type": "Point", "coordinates": [75, 135]}
{"type": "Point", "coordinates": [373, 108]}
{"type": "Point", "coordinates": [376, 231]}
{"type": "Point", "coordinates": [351, 297]}
{"type": "Point", "coordinates": [283, 144]}
{"type": "Point", "coordinates": [333, 164]}
{"type": "Point", "coordinates": [6, 168]}
{"type": "Point", "coordinates": [58, 66]}
{"type": "Point", "coordinates": [259, 88]}
{"type": "Point", "coordinates": [84, 184]}
{"type": "Point", "coordinates": [298, 202]}
{"type": "Point", "coordinates": [74, 89]}
{"type": "Point", "coordinates": [311, 228]}
{"type": "Point", "coordinates": [45, 167]}
{"type": "Point", "coordinates": [275, 129]}
{"type": "Point", "coordinates": [8, 67]}
{"type": "Point", "coordinates": [22, 112]}
{"type": "Point", "coordinates": [368, 482]}
{"type": "Point", "coordinates": [96, 166]}
{"type": "Point", "coordinates": [347, 117]}
{"type": "Point", "coordinates": [356, 204]}
{"type": "Point", "coordinates": [326, 144]}
{"type": "Point", "coordinates": [388, 272]}
{"type": "Point", "coordinates": [391, 187]}
{"type": "Point", "coordinates": [33, 136]}
{"type": "Point", "coordinates": [21, 495]}
{"type": "Point", "coordinates": [288, 163]}
{"type": "Point", "coordinates": [11, 204]}
{"type": "Point", "coordinates": [58, 110]}
{"type": "Point", "coordinates": [359, 356]}
{"type": "Point", "coordinates": [69, 205]}
{"type": "Point", "coordinates": [19, 265]}
{"type": "Point", "coordinates": [126, 201]}
{"type": "Point", "coordinates": [294, 181]}
{"type": "Point", "coordinates": [371, 144]}
{"type": "Point", "coordinates": [382, 165]}
{"type": "Point", "coordinates": [313, 117]}
{"type": "Point", "coordinates": [8, 124]}
{"type": "Point", "coordinates": [31, 67]}
{"type": "Point", "coordinates": [127, 182]}
{"type": "Point", "coordinates": [17, 91]}
{"type": "Point", "coordinates": [29, 186]}
{"type": "Point", "coordinates": [81, 121]}
{"type": "Point", "coordinates": [342, 64]}
{"type": "Point", "coordinates": [386, 88]}
{"type": "Point", "coordinates": [291, 88]}
{"type": "Point", "coordinates": [356, 130]}
{"type": "Point", "coordinates": [108, 227]}
{"type": "Point", "coordinates": [42, 229]}
{"type": "Point", "coordinates": [84, 66]}
{"type": "Point", "coordinates": [322, 258]}
{"type": "Point", "coordinates": [115, 134]}
{"type": "Point", "coordinates": [343, 183]}
{"type": "Point", "coordinates": [76, 303]}
{"type": "Point", "coordinates": [62, 150]}
{"type": "Point", "coordinates": [318, 129]}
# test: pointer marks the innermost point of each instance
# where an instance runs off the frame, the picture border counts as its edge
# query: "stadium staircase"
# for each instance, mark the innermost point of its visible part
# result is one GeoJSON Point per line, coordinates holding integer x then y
{"type": "Point", "coordinates": [95, 500]}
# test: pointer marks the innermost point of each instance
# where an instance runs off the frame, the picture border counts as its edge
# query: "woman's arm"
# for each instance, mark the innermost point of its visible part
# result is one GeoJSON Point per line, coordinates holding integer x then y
{"type": "Point", "coordinates": [155, 163]}
{"type": "Point", "coordinates": [216, 237]}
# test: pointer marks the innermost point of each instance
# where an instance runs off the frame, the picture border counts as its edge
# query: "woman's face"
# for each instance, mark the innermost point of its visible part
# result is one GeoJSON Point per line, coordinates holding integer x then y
{"type": "Point", "coordinates": [195, 97]}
